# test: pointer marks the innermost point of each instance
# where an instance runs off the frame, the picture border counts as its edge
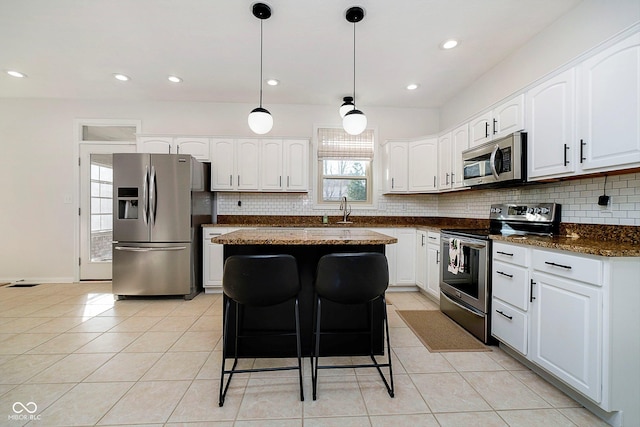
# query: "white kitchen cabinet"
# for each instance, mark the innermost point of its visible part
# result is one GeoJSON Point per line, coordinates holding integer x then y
{"type": "Point", "coordinates": [248, 164]}
{"type": "Point", "coordinates": [198, 147]}
{"type": "Point", "coordinates": [421, 259]}
{"type": "Point", "coordinates": [213, 259]}
{"type": "Point", "coordinates": [405, 257]}
{"type": "Point", "coordinates": [502, 120]}
{"type": "Point", "coordinates": [445, 154]}
{"type": "Point", "coordinates": [510, 295]}
{"type": "Point", "coordinates": [400, 256]}
{"type": "Point", "coordinates": [459, 143]}
{"type": "Point", "coordinates": [223, 167]}
{"type": "Point", "coordinates": [296, 164]}
{"type": "Point", "coordinates": [583, 324]}
{"type": "Point", "coordinates": [551, 141]}
{"type": "Point", "coordinates": [433, 264]}
{"type": "Point", "coordinates": [423, 165]}
{"type": "Point", "coordinates": [271, 161]}
{"type": "Point", "coordinates": [397, 161]}
{"type": "Point", "coordinates": [609, 107]}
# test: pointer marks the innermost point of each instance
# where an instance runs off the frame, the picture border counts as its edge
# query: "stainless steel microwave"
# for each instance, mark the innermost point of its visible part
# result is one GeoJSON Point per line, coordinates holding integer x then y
{"type": "Point", "coordinates": [498, 163]}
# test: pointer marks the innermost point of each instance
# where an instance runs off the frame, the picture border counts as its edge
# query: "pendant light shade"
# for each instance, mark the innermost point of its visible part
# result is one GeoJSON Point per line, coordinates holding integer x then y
{"type": "Point", "coordinates": [346, 106]}
{"type": "Point", "coordinates": [354, 121]}
{"type": "Point", "coordinates": [260, 120]}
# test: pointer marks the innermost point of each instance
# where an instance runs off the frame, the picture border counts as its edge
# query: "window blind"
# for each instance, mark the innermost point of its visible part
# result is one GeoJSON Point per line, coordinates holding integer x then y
{"type": "Point", "coordinates": [337, 144]}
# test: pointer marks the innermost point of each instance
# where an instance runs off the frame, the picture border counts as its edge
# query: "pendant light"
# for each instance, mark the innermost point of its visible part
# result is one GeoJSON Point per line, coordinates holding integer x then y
{"type": "Point", "coordinates": [260, 120]}
{"type": "Point", "coordinates": [346, 106]}
{"type": "Point", "coordinates": [354, 121]}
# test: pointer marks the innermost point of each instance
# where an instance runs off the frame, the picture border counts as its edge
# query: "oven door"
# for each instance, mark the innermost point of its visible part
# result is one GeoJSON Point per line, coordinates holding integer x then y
{"type": "Point", "coordinates": [464, 274]}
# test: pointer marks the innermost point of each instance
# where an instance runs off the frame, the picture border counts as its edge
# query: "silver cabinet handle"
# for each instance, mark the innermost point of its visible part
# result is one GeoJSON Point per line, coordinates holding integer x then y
{"type": "Point", "coordinates": [531, 297]}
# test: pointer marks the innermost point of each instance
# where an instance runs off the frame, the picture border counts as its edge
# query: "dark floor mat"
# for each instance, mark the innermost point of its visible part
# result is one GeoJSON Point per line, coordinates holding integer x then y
{"type": "Point", "coordinates": [23, 285]}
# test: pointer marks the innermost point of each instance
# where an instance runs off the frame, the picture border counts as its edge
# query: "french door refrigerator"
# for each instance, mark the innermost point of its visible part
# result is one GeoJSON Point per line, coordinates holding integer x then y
{"type": "Point", "coordinates": [156, 249]}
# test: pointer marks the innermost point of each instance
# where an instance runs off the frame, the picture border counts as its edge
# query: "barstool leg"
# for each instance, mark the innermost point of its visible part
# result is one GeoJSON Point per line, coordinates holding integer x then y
{"type": "Point", "coordinates": [316, 350]}
{"type": "Point", "coordinates": [225, 329]}
{"type": "Point", "coordinates": [386, 326]}
{"type": "Point", "coordinates": [299, 348]}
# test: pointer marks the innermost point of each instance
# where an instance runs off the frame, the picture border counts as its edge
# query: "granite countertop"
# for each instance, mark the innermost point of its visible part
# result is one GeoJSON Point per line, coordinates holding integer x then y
{"type": "Point", "coordinates": [606, 248]}
{"type": "Point", "coordinates": [593, 239]}
{"type": "Point", "coordinates": [304, 236]}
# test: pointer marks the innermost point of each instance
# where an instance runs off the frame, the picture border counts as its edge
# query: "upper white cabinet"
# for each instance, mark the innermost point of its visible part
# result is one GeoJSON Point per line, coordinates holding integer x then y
{"type": "Point", "coordinates": [504, 119]}
{"type": "Point", "coordinates": [586, 119]}
{"type": "Point", "coordinates": [444, 161]}
{"type": "Point", "coordinates": [551, 127]}
{"type": "Point", "coordinates": [198, 147]}
{"type": "Point", "coordinates": [423, 165]}
{"type": "Point", "coordinates": [396, 174]}
{"type": "Point", "coordinates": [296, 164]}
{"type": "Point", "coordinates": [450, 148]}
{"type": "Point", "coordinates": [411, 167]}
{"type": "Point", "coordinates": [254, 164]}
{"type": "Point", "coordinates": [609, 107]}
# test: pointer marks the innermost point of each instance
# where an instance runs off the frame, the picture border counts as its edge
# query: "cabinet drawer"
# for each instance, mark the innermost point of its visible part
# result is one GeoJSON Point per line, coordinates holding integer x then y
{"type": "Point", "coordinates": [433, 238]}
{"type": "Point", "coordinates": [509, 326]}
{"type": "Point", "coordinates": [576, 267]}
{"type": "Point", "coordinates": [514, 254]}
{"type": "Point", "coordinates": [511, 284]}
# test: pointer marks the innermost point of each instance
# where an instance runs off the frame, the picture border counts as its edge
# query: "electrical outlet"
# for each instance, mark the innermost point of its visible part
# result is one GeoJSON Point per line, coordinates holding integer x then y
{"type": "Point", "coordinates": [605, 203]}
{"type": "Point", "coordinates": [67, 199]}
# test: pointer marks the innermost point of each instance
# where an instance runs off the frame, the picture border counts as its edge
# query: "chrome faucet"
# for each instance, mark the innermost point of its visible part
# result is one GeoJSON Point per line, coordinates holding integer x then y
{"type": "Point", "coordinates": [345, 208]}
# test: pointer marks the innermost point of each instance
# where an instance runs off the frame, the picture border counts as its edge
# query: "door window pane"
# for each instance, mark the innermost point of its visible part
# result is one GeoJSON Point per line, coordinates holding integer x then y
{"type": "Point", "coordinates": [101, 207]}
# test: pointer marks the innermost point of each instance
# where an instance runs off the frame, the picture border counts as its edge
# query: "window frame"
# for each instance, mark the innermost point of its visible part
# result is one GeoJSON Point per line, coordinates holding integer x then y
{"type": "Point", "coordinates": [371, 176]}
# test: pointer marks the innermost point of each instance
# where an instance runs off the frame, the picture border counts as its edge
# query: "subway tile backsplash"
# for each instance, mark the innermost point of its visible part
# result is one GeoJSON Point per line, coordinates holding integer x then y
{"type": "Point", "coordinates": [579, 199]}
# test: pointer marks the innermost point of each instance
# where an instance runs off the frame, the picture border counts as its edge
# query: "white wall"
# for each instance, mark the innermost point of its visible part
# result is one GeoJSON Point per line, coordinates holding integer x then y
{"type": "Point", "coordinates": [37, 163]}
{"type": "Point", "coordinates": [590, 23]}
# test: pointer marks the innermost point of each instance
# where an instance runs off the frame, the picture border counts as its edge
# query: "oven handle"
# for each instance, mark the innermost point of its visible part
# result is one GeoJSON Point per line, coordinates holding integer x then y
{"type": "Point", "coordinates": [457, 304]}
{"type": "Point", "coordinates": [467, 243]}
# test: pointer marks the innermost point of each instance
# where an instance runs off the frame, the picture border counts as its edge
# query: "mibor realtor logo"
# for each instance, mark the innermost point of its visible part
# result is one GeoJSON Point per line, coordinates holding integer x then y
{"type": "Point", "coordinates": [24, 412]}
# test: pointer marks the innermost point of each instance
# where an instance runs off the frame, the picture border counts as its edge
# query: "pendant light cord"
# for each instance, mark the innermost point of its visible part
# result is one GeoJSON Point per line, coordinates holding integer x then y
{"type": "Point", "coordinates": [261, 63]}
{"type": "Point", "coordinates": [354, 65]}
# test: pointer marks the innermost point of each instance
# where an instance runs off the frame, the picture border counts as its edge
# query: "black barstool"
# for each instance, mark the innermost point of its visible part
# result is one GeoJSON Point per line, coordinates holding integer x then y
{"type": "Point", "coordinates": [258, 281]}
{"type": "Point", "coordinates": [352, 278]}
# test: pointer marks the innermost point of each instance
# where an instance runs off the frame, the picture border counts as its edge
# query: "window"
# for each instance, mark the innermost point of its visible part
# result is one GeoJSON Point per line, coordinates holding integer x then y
{"type": "Point", "coordinates": [101, 203]}
{"type": "Point", "coordinates": [345, 166]}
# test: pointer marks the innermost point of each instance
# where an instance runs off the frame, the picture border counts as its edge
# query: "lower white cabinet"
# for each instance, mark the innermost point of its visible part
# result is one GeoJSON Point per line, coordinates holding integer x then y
{"type": "Point", "coordinates": [421, 259]}
{"type": "Point", "coordinates": [566, 331]}
{"type": "Point", "coordinates": [433, 264]}
{"type": "Point", "coordinates": [574, 316]}
{"type": "Point", "coordinates": [213, 259]}
{"type": "Point", "coordinates": [401, 256]}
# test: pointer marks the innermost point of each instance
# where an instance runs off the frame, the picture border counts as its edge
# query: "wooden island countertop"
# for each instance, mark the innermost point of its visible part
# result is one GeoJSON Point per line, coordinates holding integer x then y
{"type": "Point", "coordinates": [304, 236]}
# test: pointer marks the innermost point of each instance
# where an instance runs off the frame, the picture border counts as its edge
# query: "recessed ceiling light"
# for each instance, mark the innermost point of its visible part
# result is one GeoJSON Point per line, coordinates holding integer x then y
{"type": "Point", "coordinates": [121, 77]}
{"type": "Point", "coordinates": [449, 44]}
{"type": "Point", "coordinates": [175, 79]}
{"type": "Point", "coordinates": [14, 73]}
{"type": "Point", "coordinates": [273, 82]}
{"type": "Point", "coordinates": [412, 86]}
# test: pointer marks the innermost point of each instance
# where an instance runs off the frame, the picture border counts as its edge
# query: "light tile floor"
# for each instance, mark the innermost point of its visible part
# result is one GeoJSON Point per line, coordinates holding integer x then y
{"type": "Point", "coordinates": [73, 356]}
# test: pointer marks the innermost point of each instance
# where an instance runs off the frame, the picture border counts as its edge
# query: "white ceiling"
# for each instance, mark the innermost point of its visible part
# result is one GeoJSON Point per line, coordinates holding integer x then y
{"type": "Point", "coordinates": [71, 48]}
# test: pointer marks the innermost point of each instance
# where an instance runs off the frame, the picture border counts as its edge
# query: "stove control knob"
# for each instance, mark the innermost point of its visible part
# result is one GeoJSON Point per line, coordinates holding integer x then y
{"type": "Point", "coordinates": [544, 210]}
{"type": "Point", "coordinates": [529, 210]}
{"type": "Point", "coordinates": [536, 211]}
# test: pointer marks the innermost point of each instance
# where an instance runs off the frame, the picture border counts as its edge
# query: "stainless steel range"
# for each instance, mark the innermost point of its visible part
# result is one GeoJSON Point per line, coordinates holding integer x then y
{"type": "Point", "coordinates": [465, 274]}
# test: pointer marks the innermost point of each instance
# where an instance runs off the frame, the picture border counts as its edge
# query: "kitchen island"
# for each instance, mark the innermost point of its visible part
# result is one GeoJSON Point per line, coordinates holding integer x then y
{"type": "Point", "coordinates": [307, 246]}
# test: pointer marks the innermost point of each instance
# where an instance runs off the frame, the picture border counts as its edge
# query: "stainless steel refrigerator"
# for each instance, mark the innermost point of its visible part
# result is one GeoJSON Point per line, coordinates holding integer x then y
{"type": "Point", "coordinates": [157, 248]}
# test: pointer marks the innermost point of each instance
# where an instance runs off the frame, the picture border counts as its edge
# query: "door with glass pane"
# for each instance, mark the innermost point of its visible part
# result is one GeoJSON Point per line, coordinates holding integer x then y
{"type": "Point", "coordinates": [96, 205]}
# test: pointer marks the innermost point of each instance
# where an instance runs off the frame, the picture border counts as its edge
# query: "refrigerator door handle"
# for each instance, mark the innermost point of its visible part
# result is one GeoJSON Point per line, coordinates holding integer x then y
{"type": "Point", "coordinates": [141, 249]}
{"type": "Point", "coordinates": [145, 200]}
{"type": "Point", "coordinates": [153, 194]}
